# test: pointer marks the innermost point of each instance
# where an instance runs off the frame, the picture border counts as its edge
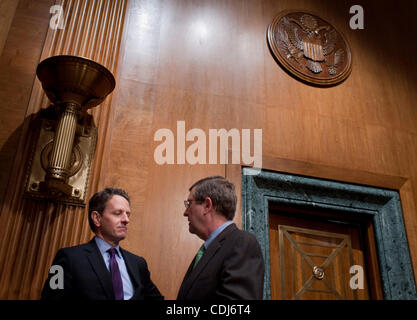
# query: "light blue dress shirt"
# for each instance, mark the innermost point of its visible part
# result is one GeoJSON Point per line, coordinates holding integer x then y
{"type": "Point", "coordinates": [216, 232]}
{"type": "Point", "coordinates": [103, 246]}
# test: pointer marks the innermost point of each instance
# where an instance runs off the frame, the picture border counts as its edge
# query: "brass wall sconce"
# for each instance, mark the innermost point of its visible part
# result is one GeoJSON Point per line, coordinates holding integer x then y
{"type": "Point", "coordinates": [60, 163]}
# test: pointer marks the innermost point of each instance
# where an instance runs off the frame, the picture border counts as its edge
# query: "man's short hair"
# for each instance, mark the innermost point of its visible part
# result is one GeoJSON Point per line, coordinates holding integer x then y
{"type": "Point", "coordinates": [98, 202]}
{"type": "Point", "coordinates": [221, 192]}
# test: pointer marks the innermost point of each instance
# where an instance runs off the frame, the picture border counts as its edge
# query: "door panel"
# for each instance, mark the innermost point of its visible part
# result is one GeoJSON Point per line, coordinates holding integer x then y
{"type": "Point", "coordinates": [311, 259]}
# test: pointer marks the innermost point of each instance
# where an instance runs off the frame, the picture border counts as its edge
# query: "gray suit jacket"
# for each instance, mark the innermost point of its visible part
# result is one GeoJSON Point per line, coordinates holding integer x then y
{"type": "Point", "coordinates": [232, 267]}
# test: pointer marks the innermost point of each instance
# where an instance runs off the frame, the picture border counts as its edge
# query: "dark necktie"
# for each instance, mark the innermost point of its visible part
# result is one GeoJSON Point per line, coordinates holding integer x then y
{"type": "Point", "coordinates": [199, 255]}
{"type": "Point", "coordinates": [115, 275]}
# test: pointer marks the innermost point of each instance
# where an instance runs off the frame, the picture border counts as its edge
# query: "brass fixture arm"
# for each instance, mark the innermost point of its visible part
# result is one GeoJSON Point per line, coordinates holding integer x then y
{"type": "Point", "coordinates": [61, 162]}
{"type": "Point", "coordinates": [63, 143]}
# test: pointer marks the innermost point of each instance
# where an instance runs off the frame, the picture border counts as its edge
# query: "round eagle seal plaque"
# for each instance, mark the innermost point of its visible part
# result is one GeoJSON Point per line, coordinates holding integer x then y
{"type": "Point", "coordinates": [309, 48]}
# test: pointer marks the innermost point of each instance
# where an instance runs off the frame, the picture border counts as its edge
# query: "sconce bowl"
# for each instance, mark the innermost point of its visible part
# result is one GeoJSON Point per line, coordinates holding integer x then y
{"type": "Point", "coordinates": [75, 79]}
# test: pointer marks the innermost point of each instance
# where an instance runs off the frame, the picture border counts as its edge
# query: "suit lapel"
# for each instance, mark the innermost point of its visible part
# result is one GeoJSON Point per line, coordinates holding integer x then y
{"type": "Point", "coordinates": [99, 267]}
{"type": "Point", "coordinates": [192, 274]}
{"type": "Point", "coordinates": [133, 272]}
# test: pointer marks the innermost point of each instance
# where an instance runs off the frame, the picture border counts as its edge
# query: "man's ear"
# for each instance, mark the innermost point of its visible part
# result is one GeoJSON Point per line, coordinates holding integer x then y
{"type": "Point", "coordinates": [96, 216]}
{"type": "Point", "coordinates": [208, 204]}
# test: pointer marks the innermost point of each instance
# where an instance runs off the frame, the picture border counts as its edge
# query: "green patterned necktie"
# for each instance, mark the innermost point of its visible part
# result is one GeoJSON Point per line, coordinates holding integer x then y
{"type": "Point", "coordinates": [199, 255]}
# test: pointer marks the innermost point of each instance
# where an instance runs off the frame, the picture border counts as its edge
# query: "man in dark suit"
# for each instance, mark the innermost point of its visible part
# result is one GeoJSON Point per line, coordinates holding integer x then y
{"type": "Point", "coordinates": [100, 269]}
{"type": "Point", "coordinates": [229, 265]}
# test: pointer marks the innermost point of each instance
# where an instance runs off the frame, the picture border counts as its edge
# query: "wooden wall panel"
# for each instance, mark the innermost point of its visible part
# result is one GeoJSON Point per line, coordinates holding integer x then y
{"type": "Point", "coordinates": [33, 231]}
{"type": "Point", "coordinates": [7, 12]}
{"type": "Point", "coordinates": [208, 63]}
{"type": "Point", "coordinates": [17, 71]}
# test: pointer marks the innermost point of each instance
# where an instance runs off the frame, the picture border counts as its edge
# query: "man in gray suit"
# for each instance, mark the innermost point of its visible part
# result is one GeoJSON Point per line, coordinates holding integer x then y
{"type": "Point", "coordinates": [229, 265]}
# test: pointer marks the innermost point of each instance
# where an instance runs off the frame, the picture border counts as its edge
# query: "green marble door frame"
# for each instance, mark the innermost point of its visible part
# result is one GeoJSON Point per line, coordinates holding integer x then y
{"type": "Point", "coordinates": [382, 206]}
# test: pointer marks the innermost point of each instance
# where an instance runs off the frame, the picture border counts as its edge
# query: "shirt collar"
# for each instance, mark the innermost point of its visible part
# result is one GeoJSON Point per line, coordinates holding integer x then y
{"type": "Point", "coordinates": [216, 232]}
{"type": "Point", "coordinates": [103, 246]}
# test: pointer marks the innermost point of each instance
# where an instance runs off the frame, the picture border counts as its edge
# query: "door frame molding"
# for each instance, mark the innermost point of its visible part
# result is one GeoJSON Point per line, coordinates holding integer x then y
{"type": "Point", "coordinates": [382, 206]}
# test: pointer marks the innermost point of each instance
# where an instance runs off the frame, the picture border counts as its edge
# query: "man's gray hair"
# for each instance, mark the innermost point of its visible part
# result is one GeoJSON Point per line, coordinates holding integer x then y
{"type": "Point", "coordinates": [221, 192]}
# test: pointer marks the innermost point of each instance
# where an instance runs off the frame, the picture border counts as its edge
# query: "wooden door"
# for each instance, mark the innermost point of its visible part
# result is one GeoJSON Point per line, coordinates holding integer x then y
{"type": "Point", "coordinates": [311, 259]}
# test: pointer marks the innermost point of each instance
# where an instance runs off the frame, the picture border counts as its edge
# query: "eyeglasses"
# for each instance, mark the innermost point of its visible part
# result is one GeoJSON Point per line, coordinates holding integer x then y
{"type": "Point", "coordinates": [187, 203]}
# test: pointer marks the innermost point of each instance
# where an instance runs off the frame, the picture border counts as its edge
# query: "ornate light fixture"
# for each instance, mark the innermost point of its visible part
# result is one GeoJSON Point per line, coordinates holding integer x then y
{"type": "Point", "coordinates": [60, 163]}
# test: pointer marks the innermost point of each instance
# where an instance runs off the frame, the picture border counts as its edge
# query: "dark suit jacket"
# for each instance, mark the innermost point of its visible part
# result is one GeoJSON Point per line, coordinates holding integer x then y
{"type": "Point", "coordinates": [232, 267]}
{"type": "Point", "coordinates": [86, 276]}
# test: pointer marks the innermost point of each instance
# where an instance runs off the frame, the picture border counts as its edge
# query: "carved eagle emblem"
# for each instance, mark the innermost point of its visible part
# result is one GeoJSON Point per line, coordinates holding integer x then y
{"type": "Point", "coordinates": [309, 44]}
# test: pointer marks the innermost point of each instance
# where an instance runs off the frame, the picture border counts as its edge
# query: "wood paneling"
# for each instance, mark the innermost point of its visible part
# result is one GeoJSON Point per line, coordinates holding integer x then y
{"type": "Point", "coordinates": [17, 71]}
{"type": "Point", "coordinates": [7, 11]}
{"type": "Point", "coordinates": [33, 231]}
{"type": "Point", "coordinates": [207, 63]}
